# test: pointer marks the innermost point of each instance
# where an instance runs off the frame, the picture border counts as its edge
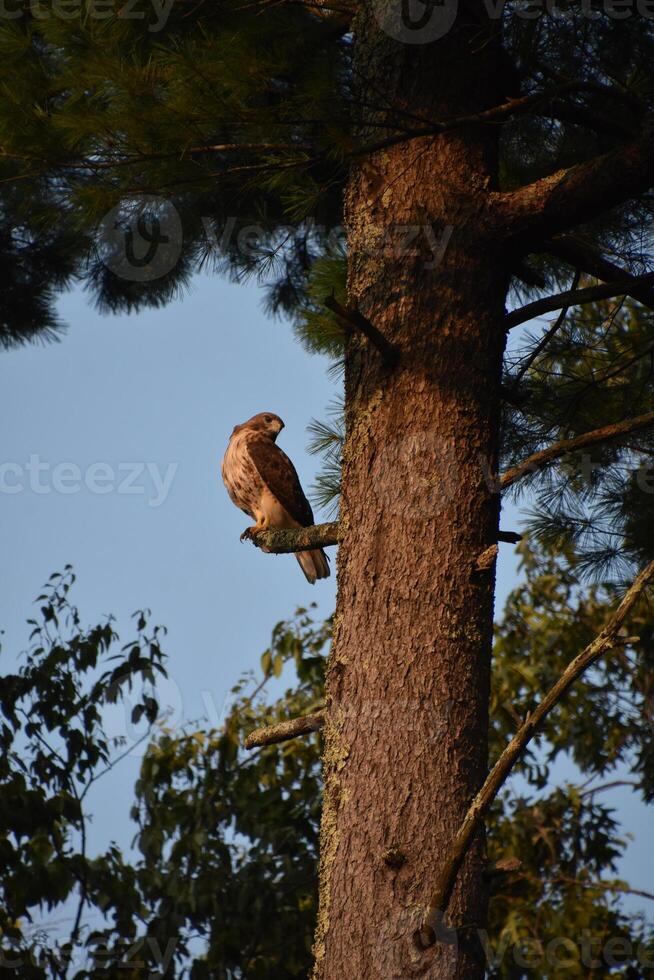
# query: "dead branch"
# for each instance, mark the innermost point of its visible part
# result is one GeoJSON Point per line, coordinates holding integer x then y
{"type": "Point", "coordinates": [496, 114]}
{"type": "Point", "coordinates": [505, 866]}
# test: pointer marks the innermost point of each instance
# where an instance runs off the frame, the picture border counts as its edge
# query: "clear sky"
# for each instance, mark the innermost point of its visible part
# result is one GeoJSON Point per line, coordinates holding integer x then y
{"type": "Point", "coordinates": [115, 437]}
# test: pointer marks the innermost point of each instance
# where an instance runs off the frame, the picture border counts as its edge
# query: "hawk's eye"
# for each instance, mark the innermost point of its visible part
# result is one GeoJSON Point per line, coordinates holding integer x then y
{"type": "Point", "coordinates": [267, 418]}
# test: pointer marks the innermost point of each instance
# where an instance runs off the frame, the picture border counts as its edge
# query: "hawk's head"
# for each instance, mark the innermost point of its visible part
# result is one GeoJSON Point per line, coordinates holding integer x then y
{"type": "Point", "coordinates": [265, 422]}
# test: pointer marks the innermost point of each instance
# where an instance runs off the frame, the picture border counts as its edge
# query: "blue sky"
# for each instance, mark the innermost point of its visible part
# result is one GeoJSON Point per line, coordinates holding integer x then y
{"type": "Point", "coordinates": [127, 419]}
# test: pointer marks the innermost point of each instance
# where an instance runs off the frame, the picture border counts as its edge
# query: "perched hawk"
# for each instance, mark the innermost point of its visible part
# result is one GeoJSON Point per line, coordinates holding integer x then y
{"type": "Point", "coordinates": [262, 481]}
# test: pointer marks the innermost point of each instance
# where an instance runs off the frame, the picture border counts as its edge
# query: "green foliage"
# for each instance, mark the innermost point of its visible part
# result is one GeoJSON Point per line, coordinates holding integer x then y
{"type": "Point", "coordinates": [243, 116]}
{"type": "Point", "coordinates": [235, 115]}
{"type": "Point", "coordinates": [222, 879]}
{"type": "Point", "coordinates": [53, 748]}
{"type": "Point", "coordinates": [234, 837]}
{"type": "Point", "coordinates": [596, 370]}
{"type": "Point", "coordinates": [567, 839]}
{"type": "Point", "coordinates": [559, 915]}
{"type": "Point", "coordinates": [38, 259]}
{"type": "Point", "coordinates": [548, 620]}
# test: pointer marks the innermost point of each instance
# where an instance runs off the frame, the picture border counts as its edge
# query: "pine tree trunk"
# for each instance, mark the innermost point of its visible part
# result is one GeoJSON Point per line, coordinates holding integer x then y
{"type": "Point", "coordinates": [408, 680]}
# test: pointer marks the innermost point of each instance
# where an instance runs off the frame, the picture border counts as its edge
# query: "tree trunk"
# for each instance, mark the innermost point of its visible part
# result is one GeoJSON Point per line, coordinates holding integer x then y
{"type": "Point", "coordinates": [408, 679]}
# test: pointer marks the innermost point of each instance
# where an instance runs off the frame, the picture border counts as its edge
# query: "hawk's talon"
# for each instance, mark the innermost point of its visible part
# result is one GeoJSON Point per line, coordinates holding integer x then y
{"type": "Point", "coordinates": [248, 532]}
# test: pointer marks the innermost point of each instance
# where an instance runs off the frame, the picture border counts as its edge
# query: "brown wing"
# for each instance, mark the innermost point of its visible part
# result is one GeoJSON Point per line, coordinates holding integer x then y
{"type": "Point", "coordinates": [278, 473]}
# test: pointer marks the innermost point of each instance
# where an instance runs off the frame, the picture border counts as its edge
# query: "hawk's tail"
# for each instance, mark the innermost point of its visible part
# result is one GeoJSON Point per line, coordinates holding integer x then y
{"type": "Point", "coordinates": [314, 564]}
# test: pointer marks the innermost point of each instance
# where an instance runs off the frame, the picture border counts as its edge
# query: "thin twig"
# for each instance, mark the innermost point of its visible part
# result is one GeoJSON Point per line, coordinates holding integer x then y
{"type": "Point", "coordinates": [612, 785]}
{"type": "Point", "coordinates": [425, 936]}
{"type": "Point", "coordinates": [114, 762]}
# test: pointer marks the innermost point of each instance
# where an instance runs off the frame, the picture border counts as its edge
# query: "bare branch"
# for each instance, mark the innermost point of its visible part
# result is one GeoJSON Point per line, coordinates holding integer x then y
{"type": "Point", "coordinates": [558, 449]}
{"type": "Point", "coordinates": [575, 297]}
{"type": "Point", "coordinates": [425, 936]}
{"type": "Point", "coordinates": [572, 196]}
{"type": "Point", "coordinates": [283, 731]}
{"type": "Point", "coordinates": [286, 541]}
{"type": "Point", "coordinates": [352, 319]}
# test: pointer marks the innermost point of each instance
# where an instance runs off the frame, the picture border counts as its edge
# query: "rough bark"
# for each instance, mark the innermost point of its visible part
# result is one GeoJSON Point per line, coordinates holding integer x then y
{"type": "Point", "coordinates": [413, 621]}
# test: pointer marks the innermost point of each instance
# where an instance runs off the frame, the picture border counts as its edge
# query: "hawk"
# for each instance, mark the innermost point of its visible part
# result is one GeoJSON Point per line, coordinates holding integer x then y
{"type": "Point", "coordinates": [262, 481]}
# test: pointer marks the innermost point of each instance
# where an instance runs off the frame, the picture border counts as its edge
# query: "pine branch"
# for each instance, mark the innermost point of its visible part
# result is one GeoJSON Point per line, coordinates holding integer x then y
{"type": "Point", "coordinates": [583, 256]}
{"type": "Point", "coordinates": [575, 297]}
{"type": "Point", "coordinates": [540, 460]}
{"type": "Point", "coordinates": [283, 731]}
{"type": "Point", "coordinates": [352, 319]}
{"type": "Point", "coordinates": [495, 114]}
{"type": "Point", "coordinates": [607, 639]}
{"type": "Point", "coordinates": [577, 194]}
